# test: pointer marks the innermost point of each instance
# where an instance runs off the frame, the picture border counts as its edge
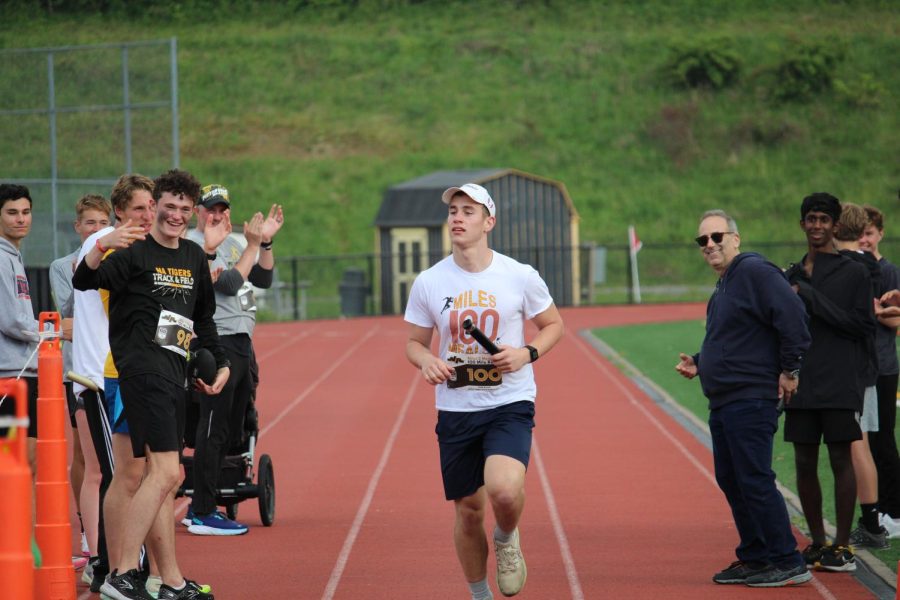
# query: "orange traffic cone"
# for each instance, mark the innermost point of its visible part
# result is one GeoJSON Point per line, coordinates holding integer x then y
{"type": "Point", "coordinates": [16, 562]}
{"type": "Point", "coordinates": [55, 579]}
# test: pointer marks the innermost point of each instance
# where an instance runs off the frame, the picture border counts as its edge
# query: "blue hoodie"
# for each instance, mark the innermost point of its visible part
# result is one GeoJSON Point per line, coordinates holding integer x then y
{"type": "Point", "coordinates": [756, 327]}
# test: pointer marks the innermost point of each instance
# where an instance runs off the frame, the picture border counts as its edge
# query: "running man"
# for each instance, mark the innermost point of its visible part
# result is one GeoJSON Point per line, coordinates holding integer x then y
{"type": "Point", "coordinates": [160, 297]}
{"type": "Point", "coordinates": [485, 403]}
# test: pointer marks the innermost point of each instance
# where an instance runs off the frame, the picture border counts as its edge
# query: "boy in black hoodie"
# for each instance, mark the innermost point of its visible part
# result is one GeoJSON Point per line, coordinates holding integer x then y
{"type": "Point", "coordinates": [756, 336]}
{"type": "Point", "coordinates": [869, 533]}
{"type": "Point", "coordinates": [837, 292]}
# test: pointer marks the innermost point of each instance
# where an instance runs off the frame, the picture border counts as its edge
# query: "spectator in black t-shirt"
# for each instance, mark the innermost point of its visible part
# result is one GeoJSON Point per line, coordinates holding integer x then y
{"type": "Point", "coordinates": [160, 296]}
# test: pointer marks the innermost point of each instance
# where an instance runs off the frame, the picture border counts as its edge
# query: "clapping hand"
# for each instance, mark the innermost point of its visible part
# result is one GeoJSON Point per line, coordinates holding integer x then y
{"type": "Point", "coordinates": [213, 235]}
{"type": "Point", "coordinates": [272, 223]}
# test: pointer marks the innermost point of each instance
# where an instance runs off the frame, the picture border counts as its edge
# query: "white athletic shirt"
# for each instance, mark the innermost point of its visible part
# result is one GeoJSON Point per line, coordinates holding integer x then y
{"type": "Point", "coordinates": [498, 300]}
{"type": "Point", "coordinates": [90, 327]}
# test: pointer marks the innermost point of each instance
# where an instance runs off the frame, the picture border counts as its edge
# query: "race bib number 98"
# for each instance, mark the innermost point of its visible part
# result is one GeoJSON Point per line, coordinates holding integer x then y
{"type": "Point", "coordinates": [174, 332]}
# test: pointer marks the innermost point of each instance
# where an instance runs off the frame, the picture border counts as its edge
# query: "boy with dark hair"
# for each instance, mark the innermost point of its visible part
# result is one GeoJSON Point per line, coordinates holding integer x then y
{"type": "Point", "coordinates": [837, 294]}
{"type": "Point", "coordinates": [161, 295]}
{"type": "Point", "coordinates": [18, 327]}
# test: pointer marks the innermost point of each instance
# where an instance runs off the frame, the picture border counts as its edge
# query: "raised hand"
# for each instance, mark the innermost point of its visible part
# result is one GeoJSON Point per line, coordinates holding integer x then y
{"type": "Point", "coordinates": [272, 223]}
{"type": "Point", "coordinates": [124, 236]}
{"type": "Point", "coordinates": [253, 230]}
{"type": "Point", "coordinates": [213, 235]}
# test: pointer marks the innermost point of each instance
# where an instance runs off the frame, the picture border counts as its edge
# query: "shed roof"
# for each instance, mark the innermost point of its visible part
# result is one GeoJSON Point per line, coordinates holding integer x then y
{"type": "Point", "coordinates": [415, 203]}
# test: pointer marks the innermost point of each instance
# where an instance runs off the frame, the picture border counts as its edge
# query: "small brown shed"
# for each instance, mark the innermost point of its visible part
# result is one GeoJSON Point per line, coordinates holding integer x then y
{"type": "Point", "coordinates": [536, 224]}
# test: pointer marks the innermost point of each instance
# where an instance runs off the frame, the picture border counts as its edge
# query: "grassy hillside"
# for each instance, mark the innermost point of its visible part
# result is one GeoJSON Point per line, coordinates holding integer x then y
{"type": "Point", "coordinates": [322, 108]}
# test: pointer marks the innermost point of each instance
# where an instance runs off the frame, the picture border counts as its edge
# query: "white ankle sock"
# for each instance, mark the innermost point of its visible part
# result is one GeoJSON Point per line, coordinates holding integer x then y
{"type": "Point", "coordinates": [480, 590]}
{"type": "Point", "coordinates": [501, 536]}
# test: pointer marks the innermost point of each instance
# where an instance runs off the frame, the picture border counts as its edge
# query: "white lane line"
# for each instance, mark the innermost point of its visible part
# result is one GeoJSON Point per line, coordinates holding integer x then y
{"type": "Point", "coordinates": [568, 561]}
{"type": "Point", "coordinates": [325, 375]}
{"type": "Point", "coordinates": [341, 563]}
{"type": "Point", "coordinates": [292, 339]}
{"type": "Point", "coordinates": [589, 352]}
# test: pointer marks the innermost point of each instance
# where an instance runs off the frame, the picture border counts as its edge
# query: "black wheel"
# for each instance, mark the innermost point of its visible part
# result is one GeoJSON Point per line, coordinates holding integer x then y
{"type": "Point", "coordinates": [231, 510]}
{"type": "Point", "coordinates": [265, 482]}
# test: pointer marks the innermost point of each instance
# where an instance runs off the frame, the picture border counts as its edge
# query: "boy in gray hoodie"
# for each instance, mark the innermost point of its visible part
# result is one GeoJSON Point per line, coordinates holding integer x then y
{"type": "Point", "coordinates": [18, 327]}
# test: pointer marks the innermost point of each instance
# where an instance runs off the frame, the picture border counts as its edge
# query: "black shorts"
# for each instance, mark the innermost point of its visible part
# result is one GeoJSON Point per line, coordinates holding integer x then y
{"type": "Point", "coordinates": [833, 426]}
{"type": "Point", "coordinates": [154, 409]}
{"type": "Point", "coordinates": [8, 407]}
{"type": "Point", "coordinates": [466, 439]}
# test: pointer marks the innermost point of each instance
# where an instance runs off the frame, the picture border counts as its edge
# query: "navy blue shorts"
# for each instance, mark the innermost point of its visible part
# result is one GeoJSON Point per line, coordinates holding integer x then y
{"type": "Point", "coordinates": [466, 439]}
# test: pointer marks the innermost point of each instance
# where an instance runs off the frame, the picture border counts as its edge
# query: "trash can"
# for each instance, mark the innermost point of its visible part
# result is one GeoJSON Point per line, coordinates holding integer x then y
{"type": "Point", "coordinates": [353, 291]}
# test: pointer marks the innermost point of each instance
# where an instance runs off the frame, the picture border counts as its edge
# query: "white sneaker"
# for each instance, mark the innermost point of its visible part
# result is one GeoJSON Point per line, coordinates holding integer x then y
{"type": "Point", "coordinates": [892, 525]}
{"type": "Point", "coordinates": [87, 576]}
{"type": "Point", "coordinates": [153, 583]}
{"type": "Point", "coordinates": [511, 571]}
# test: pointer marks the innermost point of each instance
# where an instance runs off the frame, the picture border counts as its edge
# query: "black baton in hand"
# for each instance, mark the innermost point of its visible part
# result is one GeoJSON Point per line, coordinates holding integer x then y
{"type": "Point", "coordinates": [487, 344]}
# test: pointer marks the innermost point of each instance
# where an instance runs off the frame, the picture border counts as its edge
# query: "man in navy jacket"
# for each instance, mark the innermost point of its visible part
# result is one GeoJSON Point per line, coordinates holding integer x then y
{"type": "Point", "coordinates": [756, 336]}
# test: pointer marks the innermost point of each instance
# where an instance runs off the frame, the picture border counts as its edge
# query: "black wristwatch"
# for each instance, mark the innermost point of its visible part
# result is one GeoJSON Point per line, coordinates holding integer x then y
{"type": "Point", "coordinates": [795, 374]}
{"type": "Point", "coordinates": [532, 351]}
{"type": "Point", "coordinates": [211, 256]}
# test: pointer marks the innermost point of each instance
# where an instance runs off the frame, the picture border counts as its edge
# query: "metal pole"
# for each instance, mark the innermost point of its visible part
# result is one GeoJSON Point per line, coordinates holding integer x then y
{"type": "Point", "coordinates": [173, 69]}
{"type": "Point", "coordinates": [294, 288]}
{"type": "Point", "coordinates": [126, 104]}
{"type": "Point", "coordinates": [54, 167]}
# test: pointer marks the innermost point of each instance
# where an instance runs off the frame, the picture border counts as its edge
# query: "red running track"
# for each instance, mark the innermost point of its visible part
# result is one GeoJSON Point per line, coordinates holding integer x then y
{"type": "Point", "coordinates": [621, 503]}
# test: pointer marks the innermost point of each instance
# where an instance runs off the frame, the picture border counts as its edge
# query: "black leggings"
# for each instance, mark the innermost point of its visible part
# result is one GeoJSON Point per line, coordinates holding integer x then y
{"type": "Point", "coordinates": [884, 447]}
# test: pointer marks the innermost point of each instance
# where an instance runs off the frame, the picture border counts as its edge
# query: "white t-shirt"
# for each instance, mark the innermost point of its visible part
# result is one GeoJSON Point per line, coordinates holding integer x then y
{"type": "Point", "coordinates": [90, 327]}
{"type": "Point", "coordinates": [498, 300]}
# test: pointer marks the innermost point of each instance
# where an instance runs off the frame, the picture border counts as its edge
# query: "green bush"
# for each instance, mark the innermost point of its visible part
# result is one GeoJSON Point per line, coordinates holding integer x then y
{"type": "Point", "coordinates": [705, 64]}
{"type": "Point", "coordinates": [864, 92]}
{"type": "Point", "coordinates": [808, 70]}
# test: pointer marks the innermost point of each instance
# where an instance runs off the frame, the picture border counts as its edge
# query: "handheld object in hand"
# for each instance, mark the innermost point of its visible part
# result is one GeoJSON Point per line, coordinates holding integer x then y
{"type": "Point", "coordinates": [202, 366]}
{"type": "Point", "coordinates": [479, 336]}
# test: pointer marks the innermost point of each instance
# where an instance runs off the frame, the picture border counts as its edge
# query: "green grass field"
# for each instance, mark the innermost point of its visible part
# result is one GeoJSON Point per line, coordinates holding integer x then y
{"type": "Point", "coordinates": [321, 105]}
{"type": "Point", "coordinates": [653, 349]}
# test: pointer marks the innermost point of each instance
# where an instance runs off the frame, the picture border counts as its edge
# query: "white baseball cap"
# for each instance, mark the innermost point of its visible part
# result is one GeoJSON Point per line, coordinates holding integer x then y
{"type": "Point", "coordinates": [473, 191]}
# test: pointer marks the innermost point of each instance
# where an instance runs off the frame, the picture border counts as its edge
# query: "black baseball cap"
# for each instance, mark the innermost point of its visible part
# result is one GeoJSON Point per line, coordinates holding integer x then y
{"type": "Point", "coordinates": [213, 194]}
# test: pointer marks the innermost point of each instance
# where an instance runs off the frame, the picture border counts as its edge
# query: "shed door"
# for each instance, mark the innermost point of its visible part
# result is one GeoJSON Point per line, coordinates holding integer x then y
{"type": "Point", "coordinates": [409, 248]}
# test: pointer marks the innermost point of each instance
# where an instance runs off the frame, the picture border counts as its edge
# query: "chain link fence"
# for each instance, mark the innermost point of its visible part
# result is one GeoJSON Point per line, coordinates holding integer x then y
{"type": "Point", "coordinates": [315, 287]}
{"type": "Point", "coordinates": [76, 117]}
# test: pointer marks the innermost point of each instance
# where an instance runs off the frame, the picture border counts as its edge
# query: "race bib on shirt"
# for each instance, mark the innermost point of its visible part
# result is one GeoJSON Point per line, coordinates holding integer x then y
{"type": "Point", "coordinates": [473, 371]}
{"type": "Point", "coordinates": [174, 332]}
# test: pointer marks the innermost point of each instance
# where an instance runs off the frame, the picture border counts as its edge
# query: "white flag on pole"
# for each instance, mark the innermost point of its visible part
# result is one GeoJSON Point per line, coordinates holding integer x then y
{"type": "Point", "coordinates": [634, 246]}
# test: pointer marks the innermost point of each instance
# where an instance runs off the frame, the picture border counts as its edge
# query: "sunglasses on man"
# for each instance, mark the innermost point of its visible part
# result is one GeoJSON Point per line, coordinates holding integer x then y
{"type": "Point", "coordinates": [716, 237]}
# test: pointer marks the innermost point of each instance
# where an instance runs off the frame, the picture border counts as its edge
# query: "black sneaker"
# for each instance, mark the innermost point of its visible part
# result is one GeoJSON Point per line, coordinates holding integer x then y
{"type": "Point", "coordinates": [127, 586]}
{"type": "Point", "coordinates": [190, 591]}
{"type": "Point", "coordinates": [863, 538]}
{"type": "Point", "coordinates": [812, 553]}
{"type": "Point", "coordinates": [773, 576]}
{"type": "Point", "coordinates": [837, 558]}
{"type": "Point", "coordinates": [737, 572]}
{"type": "Point", "coordinates": [99, 571]}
